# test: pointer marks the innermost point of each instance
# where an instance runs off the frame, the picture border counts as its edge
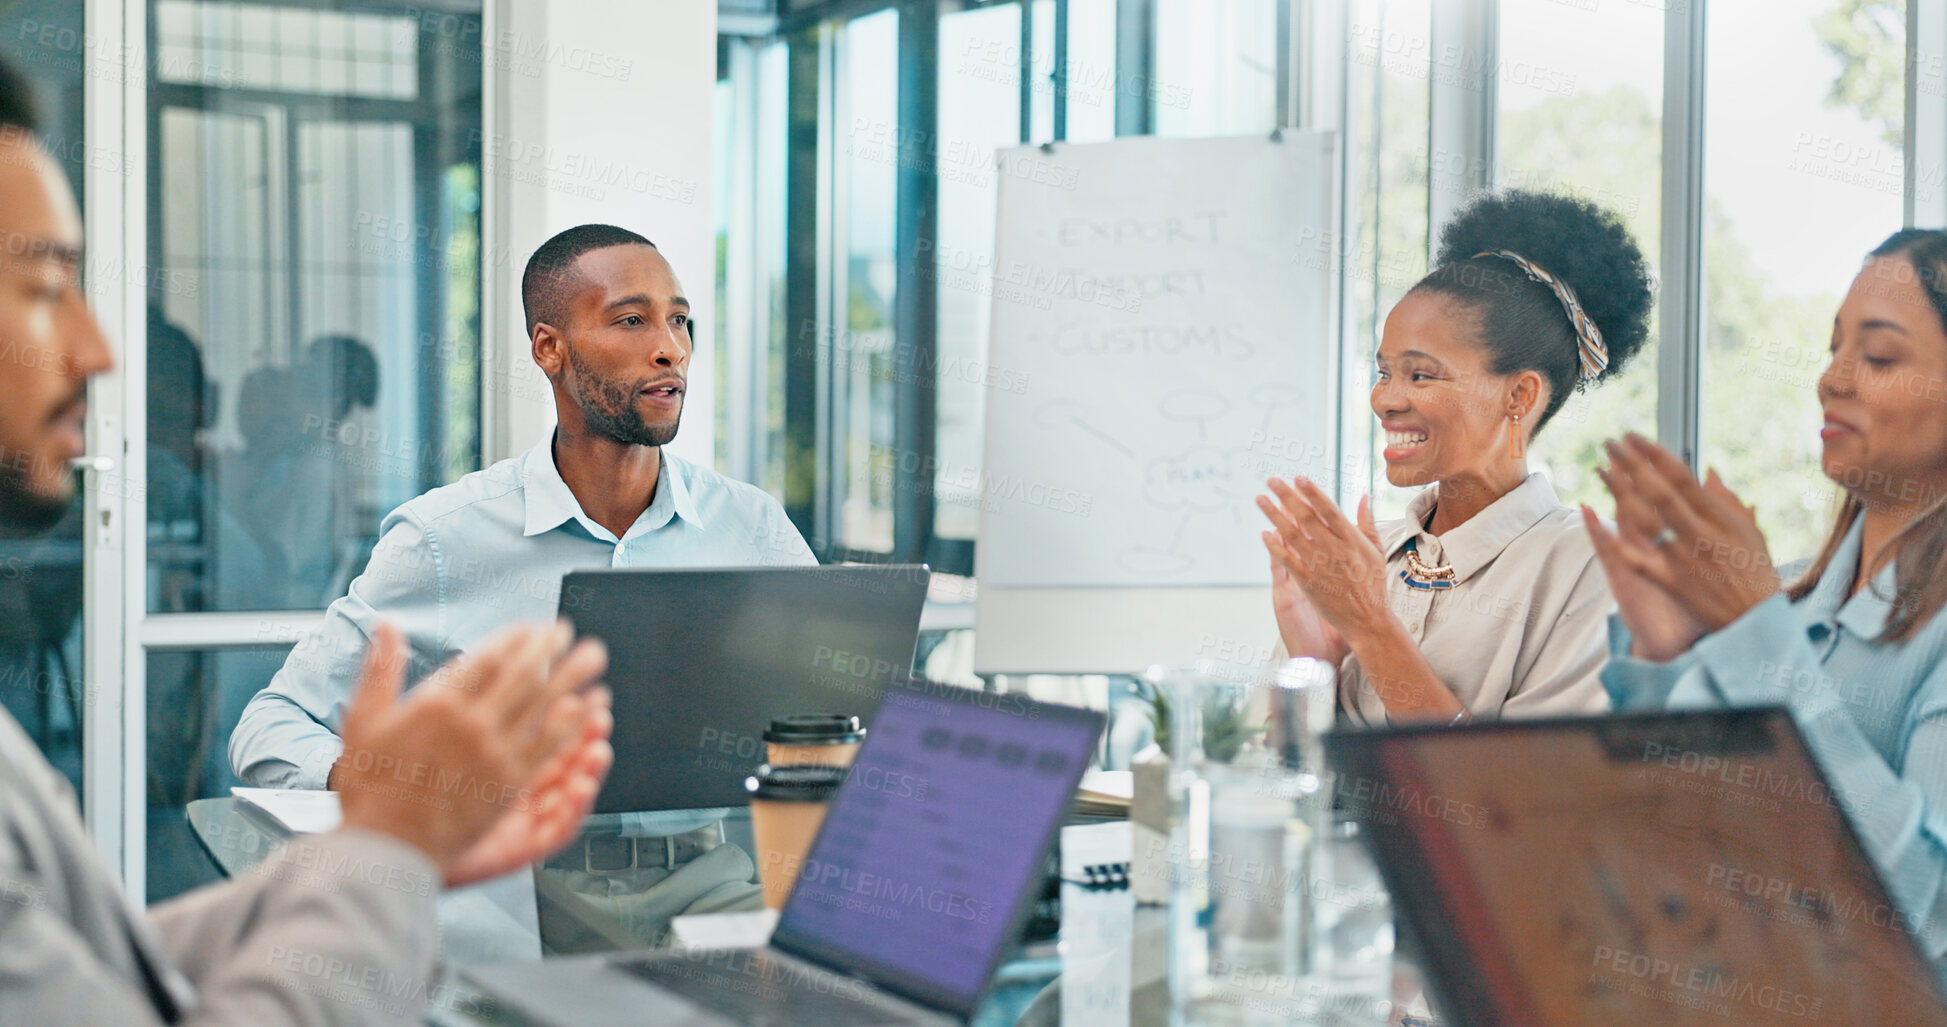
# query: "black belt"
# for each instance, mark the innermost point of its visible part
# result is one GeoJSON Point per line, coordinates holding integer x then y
{"type": "Point", "coordinates": [613, 854]}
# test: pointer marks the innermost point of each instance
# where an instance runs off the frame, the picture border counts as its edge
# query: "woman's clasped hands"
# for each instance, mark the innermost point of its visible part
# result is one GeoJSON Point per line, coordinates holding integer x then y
{"type": "Point", "coordinates": [1328, 574]}
{"type": "Point", "coordinates": [1686, 557]}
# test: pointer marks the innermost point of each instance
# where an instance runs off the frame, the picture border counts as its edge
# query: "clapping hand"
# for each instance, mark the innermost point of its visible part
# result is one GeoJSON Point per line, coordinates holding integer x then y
{"type": "Point", "coordinates": [1686, 558]}
{"type": "Point", "coordinates": [1329, 576]}
{"type": "Point", "coordinates": [490, 764]}
{"type": "Point", "coordinates": [1302, 629]}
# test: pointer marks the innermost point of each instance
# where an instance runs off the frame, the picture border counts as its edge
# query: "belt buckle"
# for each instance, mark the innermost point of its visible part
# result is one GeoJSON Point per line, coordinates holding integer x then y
{"type": "Point", "coordinates": [588, 854]}
{"type": "Point", "coordinates": [675, 850]}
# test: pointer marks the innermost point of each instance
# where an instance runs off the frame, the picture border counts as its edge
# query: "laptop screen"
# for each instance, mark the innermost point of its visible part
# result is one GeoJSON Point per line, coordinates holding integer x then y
{"type": "Point", "coordinates": [701, 659]}
{"type": "Point", "coordinates": [918, 877]}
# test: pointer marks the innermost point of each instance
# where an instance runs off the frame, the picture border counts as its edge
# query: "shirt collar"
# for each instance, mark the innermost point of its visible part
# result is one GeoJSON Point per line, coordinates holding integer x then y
{"type": "Point", "coordinates": [1477, 542]}
{"type": "Point", "coordinates": [1864, 614]}
{"type": "Point", "coordinates": [550, 503]}
{"type": "Point", "coordinates": [677, 474]}
{"type": "Point", "coordinates": [1828, 594]}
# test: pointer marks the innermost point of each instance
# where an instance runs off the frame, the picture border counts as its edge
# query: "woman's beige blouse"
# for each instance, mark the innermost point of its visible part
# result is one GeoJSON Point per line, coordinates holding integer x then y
{"type": "Point", "coordinates": [1524, 630]}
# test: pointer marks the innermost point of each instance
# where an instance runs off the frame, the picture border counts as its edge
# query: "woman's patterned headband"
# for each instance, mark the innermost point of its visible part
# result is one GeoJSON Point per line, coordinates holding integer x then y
{"type": "Point", "coordinates": [1588, 338]}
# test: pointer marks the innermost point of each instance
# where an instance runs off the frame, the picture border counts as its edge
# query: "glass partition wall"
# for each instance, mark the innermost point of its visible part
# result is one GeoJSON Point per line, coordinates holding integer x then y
{"type": "Point", "coordinates": [314, 194]}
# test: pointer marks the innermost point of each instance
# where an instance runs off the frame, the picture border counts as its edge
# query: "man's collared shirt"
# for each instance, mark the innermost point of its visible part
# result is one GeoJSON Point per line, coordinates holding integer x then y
{"type": "Point", "coordinates": [1522, 631]}
{"type": "Point", "coordinates": [460, 562]}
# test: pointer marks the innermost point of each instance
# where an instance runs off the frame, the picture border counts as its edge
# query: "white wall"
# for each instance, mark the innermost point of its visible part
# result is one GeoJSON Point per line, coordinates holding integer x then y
{"type": "Point", "coordinates": [596, 112]}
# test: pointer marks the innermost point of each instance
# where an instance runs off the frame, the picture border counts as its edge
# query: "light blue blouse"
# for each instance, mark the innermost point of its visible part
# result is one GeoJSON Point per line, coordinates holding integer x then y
{"type": "Point", "coordinates": [1874, 715]}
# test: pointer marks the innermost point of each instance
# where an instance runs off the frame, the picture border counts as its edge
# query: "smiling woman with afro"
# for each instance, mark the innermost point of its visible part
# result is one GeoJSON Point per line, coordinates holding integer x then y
{"type": "Point", "coordinates": [1486, 599]}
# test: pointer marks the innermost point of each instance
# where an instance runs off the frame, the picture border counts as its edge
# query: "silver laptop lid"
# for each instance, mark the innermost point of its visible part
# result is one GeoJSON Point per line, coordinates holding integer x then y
{"type": "Point", "coordinates": [700, 660]}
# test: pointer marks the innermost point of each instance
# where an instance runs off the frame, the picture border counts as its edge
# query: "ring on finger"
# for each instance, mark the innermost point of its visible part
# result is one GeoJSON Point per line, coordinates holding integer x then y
{"type": "Point", "coordinates": [1664, 537]}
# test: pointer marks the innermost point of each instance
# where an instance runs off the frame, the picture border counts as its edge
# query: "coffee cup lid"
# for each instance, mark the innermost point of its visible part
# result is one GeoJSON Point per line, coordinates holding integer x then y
{"type": "Point", "coordinates": [805, 783]}
{"type": "Point", "coordinates": [815, 729]}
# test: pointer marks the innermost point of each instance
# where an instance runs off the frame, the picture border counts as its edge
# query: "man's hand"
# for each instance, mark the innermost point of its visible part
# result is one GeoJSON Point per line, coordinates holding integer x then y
{"type": "Point", "coordinates": [564, 791]}
{"type": "Point", "coordinates": [489, 764]}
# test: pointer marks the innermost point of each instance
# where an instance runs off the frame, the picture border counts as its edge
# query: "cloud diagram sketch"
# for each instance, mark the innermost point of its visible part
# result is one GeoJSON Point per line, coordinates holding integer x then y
{"type": "Point", "coordinates": [1176, 345]}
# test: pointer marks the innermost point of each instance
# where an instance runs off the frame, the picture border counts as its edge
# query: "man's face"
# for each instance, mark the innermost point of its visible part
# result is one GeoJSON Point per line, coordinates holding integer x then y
{"type": "Point", "coordinates": [626, 347]}
{"type": "Point", "coordinates": [49, 343]}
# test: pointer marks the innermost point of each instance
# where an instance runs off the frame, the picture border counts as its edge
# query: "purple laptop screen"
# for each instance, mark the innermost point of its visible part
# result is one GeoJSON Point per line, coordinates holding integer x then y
{"type": "Point", "coordinates": [938, 832]}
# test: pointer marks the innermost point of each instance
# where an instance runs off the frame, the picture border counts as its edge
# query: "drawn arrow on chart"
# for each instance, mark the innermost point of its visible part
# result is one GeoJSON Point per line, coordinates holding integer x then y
{"type": "Point", "coordinates": [1062, 413]}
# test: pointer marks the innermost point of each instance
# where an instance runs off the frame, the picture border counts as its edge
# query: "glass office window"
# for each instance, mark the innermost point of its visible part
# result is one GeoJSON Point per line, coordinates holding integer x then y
{"type": "Point", "coordinates": [1040, 72]}
{"type": "Point", "coordinates": [314, 351]}
{"type": "Point", "coordinates": [1216, 67]}
{"type": "Point", "coordinates": [979, 114]}
{"type": "Point", "coordinates": [771, 267]}
{"type": "Point", "coordinates": [1803, 175]}
{"type": "Point", "coordinates": [195, 698]}
{"type": "Point", "coordinates": [862, 358]}
{"type": "Point", "coordinates": [1384, 250]}
{"type": "Point", "coordinates": [1090, 71]}
{"type": "Point", "coordinates": [1580, 96]}
{"type": "Point", "coordinates": [42, 683]}
{"type": "Point", "coordinates": [723, 200]}
{"type": "Point", "coordinates": [314, 360]}
{"type": "Point", "coordinates": [749, 337]}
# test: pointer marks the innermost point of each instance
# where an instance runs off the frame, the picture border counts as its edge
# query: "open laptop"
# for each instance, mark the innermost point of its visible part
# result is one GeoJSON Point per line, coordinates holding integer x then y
{"type": "Point", "coordinates": [1667, 868]}
{"type": "Point", "coordinates": [701, 660]}
{"type": "Point", "coordinates": [908, 898]}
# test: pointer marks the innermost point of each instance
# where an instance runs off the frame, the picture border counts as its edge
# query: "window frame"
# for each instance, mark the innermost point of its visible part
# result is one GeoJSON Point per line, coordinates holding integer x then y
{"type": "Point", "coordinates": [1312, 77]}
{"type": "Point", "coordinates": [813, 493]}
{"type": "Point", "coordinates": [121, 113]}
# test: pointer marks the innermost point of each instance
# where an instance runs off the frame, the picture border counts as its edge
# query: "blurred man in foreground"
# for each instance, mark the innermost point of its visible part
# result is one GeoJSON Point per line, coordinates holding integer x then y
{"type": "Point", "coordinates": [489, 766]}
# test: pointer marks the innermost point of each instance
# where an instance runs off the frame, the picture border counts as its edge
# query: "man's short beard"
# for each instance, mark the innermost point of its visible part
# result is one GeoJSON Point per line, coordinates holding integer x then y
{"type": "Point", "coordinates": [24, 511]}
{"type": "Point", "coordinates": [608, 408]}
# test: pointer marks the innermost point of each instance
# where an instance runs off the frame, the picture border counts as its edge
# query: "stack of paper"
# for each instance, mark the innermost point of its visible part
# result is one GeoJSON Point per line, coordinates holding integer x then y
{"type": "Point", "coordinates": [742, 930]}
{"type": "Point", "coordinates": [300, 812]}
{"type": "Point", "coordinates": [1105, 793]}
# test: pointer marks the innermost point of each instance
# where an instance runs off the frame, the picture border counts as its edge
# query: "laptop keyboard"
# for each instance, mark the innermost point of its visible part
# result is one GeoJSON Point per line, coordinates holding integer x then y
{"type": "Point", "coordinates": [757, 989]}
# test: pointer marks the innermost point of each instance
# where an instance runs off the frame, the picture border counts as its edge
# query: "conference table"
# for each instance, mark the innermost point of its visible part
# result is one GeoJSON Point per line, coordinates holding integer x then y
{"type": "Point", "coordinates": [1107, 965]}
